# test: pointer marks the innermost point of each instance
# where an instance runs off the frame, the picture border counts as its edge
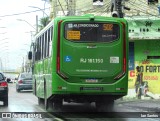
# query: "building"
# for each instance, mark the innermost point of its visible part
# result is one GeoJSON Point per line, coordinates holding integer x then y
{"type": "Point", "coordinates": [144, 42]}
{"type": "Point", "coordinates": [144, 50]}
{"type": "Point", "coordinates": [144, 32]}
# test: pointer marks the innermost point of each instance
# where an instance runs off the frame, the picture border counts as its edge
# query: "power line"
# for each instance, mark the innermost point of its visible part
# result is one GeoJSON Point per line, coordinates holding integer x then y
{"type": "Point", "coordinates": [104, 11]}
{"type": "Point", "coordinates": [61, 7]}
{"type": "Point", "coordinates": [145, 5]}
{"type": "Point", "coordinates": [16, 14]}
{"type": "Point", "coordinates": [99, 10]}
{"type": "Point", "coordinates": [139, 8]}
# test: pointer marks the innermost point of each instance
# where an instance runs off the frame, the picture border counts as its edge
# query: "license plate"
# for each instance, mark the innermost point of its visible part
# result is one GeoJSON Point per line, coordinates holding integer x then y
{"type": "Point", "coordinates": [91, 88]}
{"type": "Point", "coordinates": [91, 80]}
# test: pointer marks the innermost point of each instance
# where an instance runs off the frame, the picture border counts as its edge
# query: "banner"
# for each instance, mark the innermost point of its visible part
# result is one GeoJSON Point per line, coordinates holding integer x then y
{"type": "Point", "coordinates": [151, 74]}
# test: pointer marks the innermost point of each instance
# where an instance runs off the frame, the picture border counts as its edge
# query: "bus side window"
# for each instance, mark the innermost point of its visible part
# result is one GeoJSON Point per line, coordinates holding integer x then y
{"type": "Point", "coordinates": [48, 41]}
{"type": "Point", "coordinates": [35, 50]}
{"type": "Point", "coordinates": [42, 46]}
{"type": "Point", "coordinates": [38, 52]}
{"type": "Point", "coordinates": [51, 35]}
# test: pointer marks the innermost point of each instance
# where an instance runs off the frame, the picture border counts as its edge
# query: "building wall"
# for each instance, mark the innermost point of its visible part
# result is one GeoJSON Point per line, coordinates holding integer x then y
{"type": "Point", "coordinates": [143, 49]}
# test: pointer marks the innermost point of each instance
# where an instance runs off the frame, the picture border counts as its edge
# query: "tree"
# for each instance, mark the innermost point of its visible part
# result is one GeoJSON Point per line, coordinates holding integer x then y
{"type": "Point", "coordinates": [43, 22]}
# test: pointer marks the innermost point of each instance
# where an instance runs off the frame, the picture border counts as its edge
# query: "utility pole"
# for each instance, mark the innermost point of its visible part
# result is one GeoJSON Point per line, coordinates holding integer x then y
{"type": "Point", "coordinates": [36, 24]}
{"type": "Point", "coordinates": [117, 7]}
{"type": "Point", "coordinates": [71, 7]}
{"type": "Point", "coordinates": [54, 4]}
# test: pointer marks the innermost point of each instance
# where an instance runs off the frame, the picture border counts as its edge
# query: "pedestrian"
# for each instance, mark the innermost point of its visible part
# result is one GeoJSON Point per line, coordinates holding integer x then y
{"type": "Point", "coordinates": [138, 82]}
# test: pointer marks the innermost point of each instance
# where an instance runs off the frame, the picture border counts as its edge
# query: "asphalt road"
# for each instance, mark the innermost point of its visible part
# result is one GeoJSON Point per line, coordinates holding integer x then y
{"type": "Point", "coordinates": [25, 101]}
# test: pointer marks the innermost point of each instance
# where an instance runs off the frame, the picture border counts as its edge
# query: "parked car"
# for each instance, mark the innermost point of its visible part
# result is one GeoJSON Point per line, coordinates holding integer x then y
{"type": "Point", "coordinates": [3, 90]}
{"type": "Point", "coordinates": [24, 82]}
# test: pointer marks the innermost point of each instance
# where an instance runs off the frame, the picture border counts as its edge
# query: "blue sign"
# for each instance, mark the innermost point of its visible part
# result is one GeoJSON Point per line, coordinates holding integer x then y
{"type": "Point", "coordinates": [131, 56]}
{"type": "Point", "coordinates": [67, 59]}
{"type": "Point", "coordinates": [159, 9]}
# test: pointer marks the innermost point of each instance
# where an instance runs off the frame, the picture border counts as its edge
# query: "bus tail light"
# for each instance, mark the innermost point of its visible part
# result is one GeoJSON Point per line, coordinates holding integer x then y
{"type": "Point", "coordinates": [58, 52]}
{"type": "Point", "coordinates": [3, 84]}
{"type": "Point", "coordinates": [124, 55]}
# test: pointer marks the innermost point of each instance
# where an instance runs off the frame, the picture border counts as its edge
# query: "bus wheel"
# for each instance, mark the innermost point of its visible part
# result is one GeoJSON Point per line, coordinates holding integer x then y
{"type": "Point", "coordinates": [40, 101]}
{"type": "Point", "coordinates": [57, 105]}
{"type": "Point", "coordinates": [48, 105]}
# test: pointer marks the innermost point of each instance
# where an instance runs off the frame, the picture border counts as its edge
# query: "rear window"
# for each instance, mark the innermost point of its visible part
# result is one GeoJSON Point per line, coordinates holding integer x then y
{"type": "Point", "coordinates": [92, 32]}
{"type": "Point", "coordinates": [27, 75]}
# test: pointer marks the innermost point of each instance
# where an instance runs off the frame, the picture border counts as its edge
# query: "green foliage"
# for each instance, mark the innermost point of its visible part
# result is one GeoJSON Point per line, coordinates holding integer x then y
{"type": "Point", "coordinates": [43, 22]}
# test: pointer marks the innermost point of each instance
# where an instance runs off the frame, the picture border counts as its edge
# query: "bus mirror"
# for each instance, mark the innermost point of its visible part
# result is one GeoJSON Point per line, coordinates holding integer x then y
{"type": "Point", "coordinates": [30, 55]}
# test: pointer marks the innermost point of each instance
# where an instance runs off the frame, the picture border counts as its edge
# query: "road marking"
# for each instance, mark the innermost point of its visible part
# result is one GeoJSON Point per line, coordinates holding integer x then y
{"type": "Point", "coordinates": [57, 119]}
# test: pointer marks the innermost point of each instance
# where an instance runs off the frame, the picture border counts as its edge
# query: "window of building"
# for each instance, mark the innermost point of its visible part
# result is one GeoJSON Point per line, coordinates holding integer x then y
{"type": "Point", "coordinates": [152, 2]}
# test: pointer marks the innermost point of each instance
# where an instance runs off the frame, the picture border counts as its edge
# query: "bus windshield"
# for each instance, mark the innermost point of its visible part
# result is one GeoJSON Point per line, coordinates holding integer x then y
{"type": "Point", "coordinates": [92, 32]}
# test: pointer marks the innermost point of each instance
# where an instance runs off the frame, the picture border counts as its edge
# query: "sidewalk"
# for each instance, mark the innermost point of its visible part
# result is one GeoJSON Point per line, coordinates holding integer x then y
{"type": "Point", "coordinates": [132, 96]}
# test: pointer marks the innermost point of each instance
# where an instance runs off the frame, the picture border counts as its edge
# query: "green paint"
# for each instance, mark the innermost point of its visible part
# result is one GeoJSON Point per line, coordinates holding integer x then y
{"type": "Point", "coordinates": [99, 65]}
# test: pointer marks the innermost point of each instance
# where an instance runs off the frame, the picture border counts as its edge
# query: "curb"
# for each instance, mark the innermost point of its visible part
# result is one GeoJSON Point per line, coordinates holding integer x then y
{"type": "Point", "coordinates": [132, 99]}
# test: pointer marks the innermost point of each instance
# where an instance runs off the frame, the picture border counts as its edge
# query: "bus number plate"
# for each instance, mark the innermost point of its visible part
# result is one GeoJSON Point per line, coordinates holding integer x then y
{"type": "Point", "coordinates": [91, 80]}
{"type": "Point", "coordinates": [92, 88]}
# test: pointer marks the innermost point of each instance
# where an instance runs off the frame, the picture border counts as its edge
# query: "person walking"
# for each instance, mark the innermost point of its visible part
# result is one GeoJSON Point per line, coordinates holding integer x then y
{"type": "Point", "coordinates": [138, 82]}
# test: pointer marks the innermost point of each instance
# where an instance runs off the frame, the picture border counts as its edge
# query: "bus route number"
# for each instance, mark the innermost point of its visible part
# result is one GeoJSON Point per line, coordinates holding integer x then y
{"type": "Point", "coordinates": [108, 27]}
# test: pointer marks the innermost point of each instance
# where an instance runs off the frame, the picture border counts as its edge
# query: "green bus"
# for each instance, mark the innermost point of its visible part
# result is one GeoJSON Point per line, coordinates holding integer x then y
{"type": "Point", "coordinates": [81, 59]}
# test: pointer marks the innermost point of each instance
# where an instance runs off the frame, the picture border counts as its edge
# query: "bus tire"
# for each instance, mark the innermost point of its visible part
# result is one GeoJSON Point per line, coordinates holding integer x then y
{"type": "Point", "coordinates": [57, 105]}
{"type": "Point", "coordinates": [40, 101]}
{"type": "Point", "coordinates": [50, 105]}
{"type": "Point", "coordinates": [46, 104]}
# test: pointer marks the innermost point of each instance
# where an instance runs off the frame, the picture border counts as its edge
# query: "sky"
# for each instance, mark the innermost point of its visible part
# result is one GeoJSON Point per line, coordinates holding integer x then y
{"type": "Point", "coordinates": [15, 35]}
